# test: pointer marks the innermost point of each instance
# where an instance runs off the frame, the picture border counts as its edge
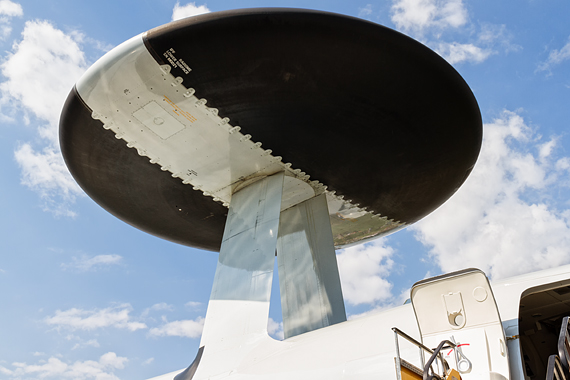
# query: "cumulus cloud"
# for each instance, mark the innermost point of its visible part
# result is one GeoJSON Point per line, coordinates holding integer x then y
{"type": "Point", "coordinates": [556, 57]}
{"type": "Point", "coordinates": [148, 361]}
{"type": "Point", "coordinates": [78, 319]}
{"type": "Point", "coordinates": [563, 164]}
{"type": "Point", "coordinates": [8, 9]}
{"type": "Point", "coordinates": [457, 53]}
{"type": "Point", "coordinates": [86, 263]}
{"type": "Point", "coordinates": [185, 328]}
{"type": "Point", "coordinates": [46, 173]}
{"type": "Point", "coordinates": [392, 302]}
{"type": "Point", "coordinates": [89, 343]}
{"type": "Point", "coordinates": [497, 35]}
{"type": "Point", "coordinates": [39, 72]}
{"type": "Point", "coordinates": [499, 221]}
{"type": "Point", "coordinates": [445, 26]}
{"type": "Point", "coordinates": [419, 15]}
{"type": "Point", "coordinates": [275, 329]}
{"type": "Point", "coordinates": [365, 11]}
{"type": "Point", "coordinates": [363, 270]}
{"type": "Point", "coordinates": [162, 306]}
{"type": "Point", "coordinates": [54, 368]}
{"type": "Point", "coordinates": [193, 304]}
{"type": "Point", "coordinates": [188, 10]}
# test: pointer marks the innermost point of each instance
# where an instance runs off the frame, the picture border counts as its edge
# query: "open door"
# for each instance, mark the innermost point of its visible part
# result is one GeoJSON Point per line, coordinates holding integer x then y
{"type": "Point", "coordinates": [460, 307]}
{"type": "Point", "coordinates": [542, 328]}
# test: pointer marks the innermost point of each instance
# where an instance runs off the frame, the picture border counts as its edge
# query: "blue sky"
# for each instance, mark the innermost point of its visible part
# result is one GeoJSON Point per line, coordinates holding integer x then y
{"type": "Point", "coordinates": [85, 296]}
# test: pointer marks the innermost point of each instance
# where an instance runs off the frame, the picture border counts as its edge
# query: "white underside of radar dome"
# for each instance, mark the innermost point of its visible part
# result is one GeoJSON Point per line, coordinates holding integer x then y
{"type": "Point", "coordinates": [163, 119]}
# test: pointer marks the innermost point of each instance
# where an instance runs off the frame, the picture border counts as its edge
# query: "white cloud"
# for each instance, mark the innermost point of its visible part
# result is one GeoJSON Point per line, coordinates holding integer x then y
{"type": "Point", "coordinates": [193, 304]}
{"type": "Point", "coordinates": [390, 303]}
{"type": "Point", "coordinates": [458, 53]}
{"type": "Point", "coordinates": [39, 73]}
{"type": "Point", "coordinates": [185, 328]}
{"type": "Point", "coordinates": [89, 343]}
{"type": "Point", "coordinates": [161, 306]}
{"type": "Point", "coordinates": [556, 57]}
{"type": "Point", "coordinates": [497, 221]}
{"type": "Point", "coordinates": [188, 10]}
{"type": "Point", "coordinates": [148, 361]}
{"type": "Point", "coordinates": [419, 15]}
{"type": "Point", "coordinates": [8, 9]}
{"type": "Point", "coordinates": [563, 164]}
{"type": "Point", "coordinates": [110, 359]}
{"type": "Point", "coordinates": [363, 270]}
{"type": "Point", "coordinates": [5, 371]}
{"type": "Point", "coordinates": [54, 368]}
{"type": "Point", "coordinates": [46, 173]}
{"type": "Point", "coordinates": [365, 11]}
{"type": "Point", "coordinates": [497, 34]}
{"type": "Point", "coordinates": [275, 329]}
{"type": "Point", "coordinates": [157, 307]}
{"type": "Point", "coordinates": [445, 26]}
{"type": "Point", "coordinates": [86, 263]}
{"type": "Point", "coordinates": [78, 319]}
{"type": "Point", "coordinates": [545, 150]}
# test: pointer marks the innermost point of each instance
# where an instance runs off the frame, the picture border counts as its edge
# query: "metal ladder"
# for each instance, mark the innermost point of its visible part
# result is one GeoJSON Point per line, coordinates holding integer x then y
{"type": "Point", "coordinates": [558, 367]}
{"type": "Point", "coordinates": [436, 367]}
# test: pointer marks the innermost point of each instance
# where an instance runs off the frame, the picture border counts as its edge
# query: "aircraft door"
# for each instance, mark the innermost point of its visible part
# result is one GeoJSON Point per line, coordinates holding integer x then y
{"type": "Point", "coordinates": [460, 307]}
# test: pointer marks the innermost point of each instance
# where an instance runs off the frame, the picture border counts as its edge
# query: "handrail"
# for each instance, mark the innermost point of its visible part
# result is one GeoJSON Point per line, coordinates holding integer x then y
{"type": "Point", "coordinates": [410, 339]}
{"type": "Point", "coordinates": [554, 369]}
{"type": "Point", "coordinates": [435, 354]}
{"type": "Point", "coordinates": [564, 344]}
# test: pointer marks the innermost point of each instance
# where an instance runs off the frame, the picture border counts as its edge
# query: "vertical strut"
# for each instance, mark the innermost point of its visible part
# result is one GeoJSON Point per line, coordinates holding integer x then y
{"type": "Point", "coordinates": [239, 304]}
{"type": "Point", "coordinates": [311, 296]}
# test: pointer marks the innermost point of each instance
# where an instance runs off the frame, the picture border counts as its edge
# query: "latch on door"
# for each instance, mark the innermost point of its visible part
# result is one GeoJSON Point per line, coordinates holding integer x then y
{"type": "Point", "coordinates": [455, 309]}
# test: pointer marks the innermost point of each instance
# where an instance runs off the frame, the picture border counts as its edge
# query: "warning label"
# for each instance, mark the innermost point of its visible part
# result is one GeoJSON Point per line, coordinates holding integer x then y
{"type": "Point", "coordinates": [175, 62]}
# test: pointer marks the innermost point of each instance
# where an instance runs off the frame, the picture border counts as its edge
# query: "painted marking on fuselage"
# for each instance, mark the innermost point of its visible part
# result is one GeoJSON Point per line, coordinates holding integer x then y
{"type": "Point", "coordinates": [180, 112]}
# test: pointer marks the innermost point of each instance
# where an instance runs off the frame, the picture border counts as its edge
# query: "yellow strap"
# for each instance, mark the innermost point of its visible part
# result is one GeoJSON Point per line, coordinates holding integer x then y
{"type": "Point", "coordinates": [453, 375]}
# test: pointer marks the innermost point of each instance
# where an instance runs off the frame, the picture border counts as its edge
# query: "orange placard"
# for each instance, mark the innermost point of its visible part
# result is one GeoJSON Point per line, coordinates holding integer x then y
{"type": "Point", "coordinates": [453, 375]}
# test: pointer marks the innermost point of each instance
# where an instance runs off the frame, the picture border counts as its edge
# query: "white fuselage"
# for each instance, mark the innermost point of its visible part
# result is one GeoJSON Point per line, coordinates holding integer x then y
{"type": "Point", "coordinates": [364, 348]}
